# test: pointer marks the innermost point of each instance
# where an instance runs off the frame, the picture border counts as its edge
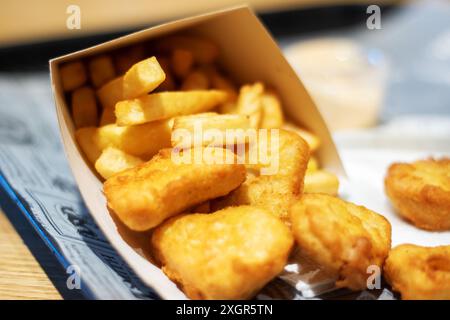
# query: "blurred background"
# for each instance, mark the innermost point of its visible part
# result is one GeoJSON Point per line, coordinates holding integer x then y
{"type": "Point", "coordinates": [362, 64]}
{"type": "Point", "coordinates": [379, 72]}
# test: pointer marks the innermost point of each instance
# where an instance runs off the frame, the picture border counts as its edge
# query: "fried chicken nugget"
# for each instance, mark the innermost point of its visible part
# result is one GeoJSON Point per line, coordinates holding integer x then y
{"type": "Point", "coordinates": [144, 196]}
{"type": "Point", "coordinates": [274, 192]}
{"type": "Point", "coordinates": [420, 192]}
{"type": "Point", "coordinates": [419, 273]}
{"type": "Point", "coordinates": [342, 237]}
{"type": "Point", "coordinates": [229, 254]}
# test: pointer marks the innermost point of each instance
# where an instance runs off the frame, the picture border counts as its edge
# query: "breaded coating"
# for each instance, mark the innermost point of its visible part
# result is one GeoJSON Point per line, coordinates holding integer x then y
{"type": "Point", "coordinates": [419, 273]}
{"type": "Point", "coordinates": [342, 237]}
{"type": "Point", "coordinates": [229, 254]}
{"type": "Point", "coordinates": [420, 192]}
{"type": "Point", "coordinates": [144, 196]}
{"type": "Point", "coordinates": [274, 192]}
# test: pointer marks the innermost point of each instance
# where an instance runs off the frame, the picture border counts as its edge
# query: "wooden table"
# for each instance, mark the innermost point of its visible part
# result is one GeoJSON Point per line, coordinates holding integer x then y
{"type": "Point", "coordinates": [28, 270]}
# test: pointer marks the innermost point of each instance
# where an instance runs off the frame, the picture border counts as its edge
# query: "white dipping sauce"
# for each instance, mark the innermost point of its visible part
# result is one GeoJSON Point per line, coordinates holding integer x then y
{"type": "Point", "coordinates": [346, 82]}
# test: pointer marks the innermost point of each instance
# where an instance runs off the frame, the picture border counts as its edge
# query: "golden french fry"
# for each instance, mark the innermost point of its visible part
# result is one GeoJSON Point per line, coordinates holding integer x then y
{"type": "Point", "coordinates": [86, 140]}
{"type": "Point", "coordinates": [220, 82]}
{"type": "Point", "coordinates": [272, 111]}
{"type": "Point", "coordinates": [140, 79]}
{"type": "Point", "coordinates": [113, 160]}
{"type": "Point", "coordinates": [141, 141]}
{"type": "Point", "coordinates": [182, 61]}
{"type": "Point", "coordinates": [311, 138]}
{"type": "Point", "coordinates": [211, 120]}
{"type": "Point", "coordinates": [249, 103]}
{"type": "Point", "coordinates": [164, 105]}
{"type": "Point", "coordinates": [227, 108]}
{"type": "Point", "coordinates": [196, 80]}
{"type": "Point", "coordinates": [168, 84]}
{"type": "Point", "coordinates": [126, 58]}
{"type": "Point", "coordinates": [321, 181]}
{"type": "Point", "coordinates": [73, 75]}
{"type": "Point", "coordinates": [313, 164]}
{"type": "Point", "coordinates": [143, 77]}
{"type": "Point", "coordinates": [101, 70]}
{"type": "Point", "coordinates": [107, 117]}
{"type": "Point", "coordinates": [84, 107]}
{"type": "Point", "coordinates": [111, 92]}
{"type": "Point", "coordinates": [203, 50]}
{"type": "Point", "coordinates": [205, 129]}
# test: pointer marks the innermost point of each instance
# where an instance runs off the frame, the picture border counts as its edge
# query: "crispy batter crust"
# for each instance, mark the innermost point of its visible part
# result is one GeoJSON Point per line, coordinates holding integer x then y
{"type": "Point", "coordinates": [229, 254]}
{"type": "Point", "coordinates": [145, 195]}
{"type": "Point", "coordinates": [419, 273]}
{"type": "Point", "coordinates": [420, 192]}
{"type": "Point", "coordinates": [276, 192]}
{"type": "Point", "coordinates": [344, 238]}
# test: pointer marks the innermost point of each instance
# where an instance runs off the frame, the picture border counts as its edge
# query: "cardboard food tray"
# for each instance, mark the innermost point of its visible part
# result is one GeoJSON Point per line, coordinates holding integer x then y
{"type": "Point", "coordinates": [248, 54]}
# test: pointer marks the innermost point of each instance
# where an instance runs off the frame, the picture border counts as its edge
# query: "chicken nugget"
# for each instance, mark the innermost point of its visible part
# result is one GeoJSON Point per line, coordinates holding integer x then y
{"type": "Point", "coordinates": [144, 196]}
{"type": "Point", "coordinates": [420, 192]}
{"type": "Point", "coordinates": [229, 254]}
{"type": "Point", "coordinates": [275, 192]}
{"type": "Point", "coordinates": [340, 236]}
{"type": "Point", "coordinates": [419, 273]}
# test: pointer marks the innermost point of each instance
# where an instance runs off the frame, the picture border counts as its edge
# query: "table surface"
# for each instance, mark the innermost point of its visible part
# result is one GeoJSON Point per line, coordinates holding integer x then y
{"type": "Point", "coordinates": [28, 269]}
{"type": "Point", "coordinates": [21, 275]}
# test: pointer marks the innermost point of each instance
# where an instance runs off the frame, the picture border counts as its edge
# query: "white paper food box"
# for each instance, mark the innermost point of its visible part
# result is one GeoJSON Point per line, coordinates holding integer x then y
{"type": "Point", "coordinates": [248, 54]}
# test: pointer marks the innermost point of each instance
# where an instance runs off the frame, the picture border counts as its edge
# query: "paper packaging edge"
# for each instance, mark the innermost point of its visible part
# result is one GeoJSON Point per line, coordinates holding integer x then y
{"type": "Point", "coordinates": [277, 67]}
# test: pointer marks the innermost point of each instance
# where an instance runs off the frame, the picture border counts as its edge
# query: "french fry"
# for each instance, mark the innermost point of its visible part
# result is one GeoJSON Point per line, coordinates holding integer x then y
{"type": "Point", "coordinates": [321, 181]}
{"type": "Point", "coordinates": [249, 103]}
{"type": "Point", "coordinates": [203, 50]}
{"type": "Point", "coordinates": [313, 164]}
{"type": "Point", "coordinates": [312, 140]}
{"type": "Point", "coordinates": [86, 140]}
{"type": "Point", "coordinates": [182, 61]}
{"type": "Point", "coordinates": [164, 105]}
{"type": "Point", "coordinates": [196, 80]}
{"type": "Point", "coordinates": [101, 70]}
{"type": "Point", "coordinates": [200, 128]}
{"type": "Point", "coordinates": [73, 75]}
{"type": "Point", "coordinates": [143, 77]}
{"type": "Point", "coordinates": [140, 79]}
{"type": "Point", "coordinates": [220, 82]}
{"type": "Point", "coordinates": [141, 141]}
{"type": "Point", "coordinates": [113, 160]}
{"type": "Point", "coordinates": [227, 108]}
{"type": "Point", "coordinates": [111, 92]}
{"type": "Point", "coordinates": [126, 58]}
{"type": "Point", "coordinates": [211, 120]}
{"type": "Point", "coordinates": [107, 117]}
{"type": "Point", "coordinates": [84, 107]}
{"type": "Point", "coordinates": [168, 84]}
{"type": "Point", "coordinates": [272, 111]}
